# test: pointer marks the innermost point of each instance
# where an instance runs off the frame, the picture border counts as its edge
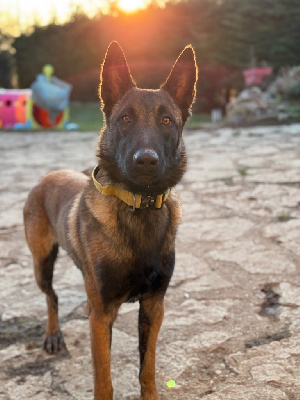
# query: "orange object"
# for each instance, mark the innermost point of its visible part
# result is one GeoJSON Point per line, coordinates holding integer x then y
{"type": "Point", "coordinates": [42, 117]}
{"type": "Point", "coordinates": [20, 108]}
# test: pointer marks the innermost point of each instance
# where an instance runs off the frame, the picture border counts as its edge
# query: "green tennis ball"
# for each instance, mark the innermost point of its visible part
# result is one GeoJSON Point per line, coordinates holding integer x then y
{"type": "Point", "coordinates": [171, 383]}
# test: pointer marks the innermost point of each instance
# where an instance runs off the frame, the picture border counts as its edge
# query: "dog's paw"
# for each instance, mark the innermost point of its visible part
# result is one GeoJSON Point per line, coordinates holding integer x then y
{"type": "Point", "coordinates": [54, 343]}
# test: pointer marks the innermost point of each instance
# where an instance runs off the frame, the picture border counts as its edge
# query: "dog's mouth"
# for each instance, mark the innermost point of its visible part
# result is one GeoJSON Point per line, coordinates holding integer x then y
{"type": "Point", "coordinates": [143, 183]}
{"type": "Point", "coordinates": [145, 179]}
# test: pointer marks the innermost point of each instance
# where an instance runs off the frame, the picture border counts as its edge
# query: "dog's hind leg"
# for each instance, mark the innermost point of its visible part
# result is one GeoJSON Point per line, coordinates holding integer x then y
{"type": "Point", "coordinates": [44, 252]}
{"type": "Point", "coordinates": [44, 273]}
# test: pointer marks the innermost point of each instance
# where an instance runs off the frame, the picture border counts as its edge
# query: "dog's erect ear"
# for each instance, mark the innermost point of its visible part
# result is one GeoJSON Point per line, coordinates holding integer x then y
{"type": "Point", "coordinates": [181, 83]}
{"type": "Point", "coordinates": [115, 78]}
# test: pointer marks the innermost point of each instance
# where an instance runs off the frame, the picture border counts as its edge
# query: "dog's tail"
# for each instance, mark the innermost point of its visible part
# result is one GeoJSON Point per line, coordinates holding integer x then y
{"type": "Point", "coordinates": [88, 171]}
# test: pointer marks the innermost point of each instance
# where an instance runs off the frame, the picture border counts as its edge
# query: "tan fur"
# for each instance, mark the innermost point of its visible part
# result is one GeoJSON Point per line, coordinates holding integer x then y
{"type": "Point", "coordinates": [54, 204]}
{"type": "Point", "coordinates": [124, 255]}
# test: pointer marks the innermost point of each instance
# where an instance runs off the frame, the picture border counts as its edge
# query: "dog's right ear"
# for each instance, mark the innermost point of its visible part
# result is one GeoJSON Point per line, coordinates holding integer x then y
{"type": "Point", "coordinates": [115, 78]}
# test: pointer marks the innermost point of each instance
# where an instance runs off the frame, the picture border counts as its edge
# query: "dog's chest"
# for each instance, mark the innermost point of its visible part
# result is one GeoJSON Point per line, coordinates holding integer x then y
{"type": "Point", "coordinates": [130, 281]}
{"type": "Point", "coordinates": [140, 280]}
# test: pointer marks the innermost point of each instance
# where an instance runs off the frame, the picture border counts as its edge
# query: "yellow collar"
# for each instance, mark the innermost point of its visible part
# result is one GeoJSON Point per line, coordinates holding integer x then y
{"type": "Point", "coordinates": [134, 200]}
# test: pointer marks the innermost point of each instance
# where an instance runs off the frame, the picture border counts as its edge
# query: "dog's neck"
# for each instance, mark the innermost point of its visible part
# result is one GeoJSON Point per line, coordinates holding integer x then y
{"type": "Point", "coordinates": [133, 200]}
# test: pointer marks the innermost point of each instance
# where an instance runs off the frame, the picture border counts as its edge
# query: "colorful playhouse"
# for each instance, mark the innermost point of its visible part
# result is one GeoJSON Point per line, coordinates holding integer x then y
{"type": "Point", "coordinates": [44, 105]}
{"type": "Point", "coordinates": [13, 107]}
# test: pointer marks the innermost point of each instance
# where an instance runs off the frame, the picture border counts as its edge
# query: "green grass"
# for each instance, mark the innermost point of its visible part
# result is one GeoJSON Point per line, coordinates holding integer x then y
{"type": "Point", "coordinates": [283, 218]}
{"type": "Point", "coordinates": [243, 171]}
{"type": "Point", "coordinates": [88, 116]}
{"type": "Point", "coordinates": [294, 110]}
{"type": "Point", "coordinates": [196, 121]}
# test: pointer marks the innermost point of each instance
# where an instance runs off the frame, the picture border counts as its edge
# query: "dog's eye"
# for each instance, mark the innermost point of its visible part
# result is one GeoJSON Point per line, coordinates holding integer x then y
{"type": "Point", "coordinates": [126, 119]}
{"type": "Point", "coordinates": [166, 121]}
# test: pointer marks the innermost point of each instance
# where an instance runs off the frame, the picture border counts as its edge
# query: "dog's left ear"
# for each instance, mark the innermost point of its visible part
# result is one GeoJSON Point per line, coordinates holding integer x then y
{"type": "Point", "coordinates": [181, 83]}
{"type": "Point", "coordinates": [115, 78]}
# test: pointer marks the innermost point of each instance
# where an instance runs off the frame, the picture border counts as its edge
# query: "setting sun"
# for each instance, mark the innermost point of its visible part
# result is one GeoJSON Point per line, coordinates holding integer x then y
{"type": "Point", "coordinates": [131, 5]}
{"type": "Point", "coordinates": [17, 15]}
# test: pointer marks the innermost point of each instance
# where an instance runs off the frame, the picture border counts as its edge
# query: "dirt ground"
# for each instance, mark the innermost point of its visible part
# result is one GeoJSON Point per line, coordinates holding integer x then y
{"type": "Point", "coordinates": [232, 322]}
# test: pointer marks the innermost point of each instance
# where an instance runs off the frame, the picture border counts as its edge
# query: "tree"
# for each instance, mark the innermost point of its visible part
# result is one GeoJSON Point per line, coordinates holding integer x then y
{"type": "Point", "coordinates": [226, 34]}
{"type": "Point", "coordinates": [5, 62]}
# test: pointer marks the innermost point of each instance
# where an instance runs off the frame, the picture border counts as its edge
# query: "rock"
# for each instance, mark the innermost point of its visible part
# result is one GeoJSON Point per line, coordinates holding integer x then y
{"type": "Point", "coordinates": [287, 233]}
{"type": "Point", "coordinates": [255, 258]}
{"type": "Point", "coordinates": [208, 312]}
{"type": "Point", "coordinates": [214, 341]}
{"type": "Point", "coordinates": [215, 229]}
{"type": "Point", "coordinates": [210, 341]}
{"type": "Point", "coordinates": [250, 105]}
{"type": "Point", "coordinates": [245, 392]}
{"type": "Point", "coordinates": [290, 294]}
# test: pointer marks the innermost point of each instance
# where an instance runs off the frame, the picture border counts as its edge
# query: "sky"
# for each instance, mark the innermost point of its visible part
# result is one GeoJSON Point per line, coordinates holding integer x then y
{"type": "Point", "coordinates": [17, 15]}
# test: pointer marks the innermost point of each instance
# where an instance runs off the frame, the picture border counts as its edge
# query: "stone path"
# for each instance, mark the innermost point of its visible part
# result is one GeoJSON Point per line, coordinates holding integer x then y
{"type": "Point", "coordinates": [232, 322]}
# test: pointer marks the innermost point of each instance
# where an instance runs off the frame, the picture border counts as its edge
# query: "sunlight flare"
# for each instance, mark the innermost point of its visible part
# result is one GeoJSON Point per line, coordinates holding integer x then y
{"type": "Point", "coordinates": [131, 6]}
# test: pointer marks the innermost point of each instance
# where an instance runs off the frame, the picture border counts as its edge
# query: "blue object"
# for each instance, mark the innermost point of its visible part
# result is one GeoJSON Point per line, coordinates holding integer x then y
{"type": "Point", "coordinates": [19, 125]}
{"type": "Point", "coordinates": [51, 94]}
{"type": "Point", "coordinates": [71, 126]}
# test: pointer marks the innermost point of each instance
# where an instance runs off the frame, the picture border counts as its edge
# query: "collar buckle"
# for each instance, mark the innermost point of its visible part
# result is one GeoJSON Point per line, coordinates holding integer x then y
{"type": "Point", "coordinates": [151, 201]}
{"type": "Point", "coordinates": [134, 202]}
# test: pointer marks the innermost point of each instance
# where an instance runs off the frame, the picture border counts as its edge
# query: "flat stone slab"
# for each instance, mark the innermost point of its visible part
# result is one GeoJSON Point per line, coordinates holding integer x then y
{"type": "Point", "coordinates": [232, 312]}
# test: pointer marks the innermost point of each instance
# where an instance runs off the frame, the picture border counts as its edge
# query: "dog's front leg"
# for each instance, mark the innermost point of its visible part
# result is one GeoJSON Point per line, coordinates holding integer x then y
{"type": "Point", "coordinates": [101, 331]}
{"type": "Point", "coordinates": [150, 319]}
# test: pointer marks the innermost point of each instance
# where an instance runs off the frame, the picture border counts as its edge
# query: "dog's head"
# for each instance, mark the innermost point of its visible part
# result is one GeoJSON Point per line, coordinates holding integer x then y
{"type": "Point", "coordinates": [141, 146]}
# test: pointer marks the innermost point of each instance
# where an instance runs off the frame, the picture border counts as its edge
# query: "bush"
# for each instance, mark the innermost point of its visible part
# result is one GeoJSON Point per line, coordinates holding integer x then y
{"type": "Point", "coordinates": [287, 83]}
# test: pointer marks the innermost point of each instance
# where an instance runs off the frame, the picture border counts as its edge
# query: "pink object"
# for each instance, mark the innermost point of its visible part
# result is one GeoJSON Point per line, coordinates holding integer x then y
{"type": "Point", "coordinates": [12, 106]}
{"type": "Point", "coordinates": [254, 76]}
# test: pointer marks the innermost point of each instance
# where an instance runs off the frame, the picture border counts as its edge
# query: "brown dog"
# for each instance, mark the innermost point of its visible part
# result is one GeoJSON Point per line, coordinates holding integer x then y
{"type": "Point", "coordinates": [118, 227]}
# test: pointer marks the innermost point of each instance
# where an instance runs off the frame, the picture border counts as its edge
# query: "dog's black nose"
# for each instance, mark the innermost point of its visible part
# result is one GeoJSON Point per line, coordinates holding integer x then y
{"type": "Point", "coordinates": [146, 158]}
